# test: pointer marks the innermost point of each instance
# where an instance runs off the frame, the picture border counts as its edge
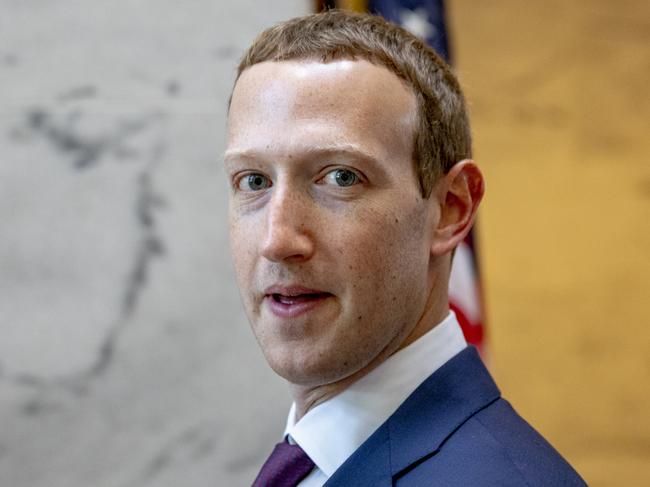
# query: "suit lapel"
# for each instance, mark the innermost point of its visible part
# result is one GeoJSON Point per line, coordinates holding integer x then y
{"type": "Point", "coordinates": [448, 398]}
{"type": "Point", "coordinates": [368, 466]}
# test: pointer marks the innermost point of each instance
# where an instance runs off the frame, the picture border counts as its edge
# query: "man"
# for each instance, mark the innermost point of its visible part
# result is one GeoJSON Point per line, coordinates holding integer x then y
{"type": "Point", "coordinates": [349, 162]}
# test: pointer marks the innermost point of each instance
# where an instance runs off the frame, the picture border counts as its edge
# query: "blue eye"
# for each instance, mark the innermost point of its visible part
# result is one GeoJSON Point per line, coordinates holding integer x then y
{"type": "Point", "coordinates": [254, 182]}
{"type": "Point", "coordinates": [342, 177]}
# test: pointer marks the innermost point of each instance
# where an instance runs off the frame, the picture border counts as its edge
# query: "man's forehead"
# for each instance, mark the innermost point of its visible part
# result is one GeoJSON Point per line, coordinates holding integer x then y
{"type": "Point", "coordinates": [341, 101]}
{"type": "Point", "coordinates": [310, 81]}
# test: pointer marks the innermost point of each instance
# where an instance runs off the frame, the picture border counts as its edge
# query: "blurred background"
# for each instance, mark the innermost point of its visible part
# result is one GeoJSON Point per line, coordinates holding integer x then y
{"type": "Point", "coordinates": [125, 358]}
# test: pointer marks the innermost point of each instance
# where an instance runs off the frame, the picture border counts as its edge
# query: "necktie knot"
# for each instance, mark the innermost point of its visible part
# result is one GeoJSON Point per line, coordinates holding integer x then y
{"type": "Point", "coordinates": [287, 465]}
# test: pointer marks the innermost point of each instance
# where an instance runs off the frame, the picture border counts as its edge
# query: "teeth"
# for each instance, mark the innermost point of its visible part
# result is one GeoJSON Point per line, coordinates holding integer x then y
{"type": "Point", "coordinates": [291, 299]}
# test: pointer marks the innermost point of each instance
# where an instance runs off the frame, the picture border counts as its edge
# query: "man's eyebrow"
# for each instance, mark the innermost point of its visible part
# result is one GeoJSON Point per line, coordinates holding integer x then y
{"type": "Point", "coordinates": [349, 151]}
{"type": "Point", "coordinates": [240, 154]}
{"type": "Point", "coordinates": [346, 150]}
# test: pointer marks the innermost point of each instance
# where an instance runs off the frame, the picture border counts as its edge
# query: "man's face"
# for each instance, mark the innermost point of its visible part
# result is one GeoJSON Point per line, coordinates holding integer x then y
{"type": "Point", "coordinates": [329, 233]}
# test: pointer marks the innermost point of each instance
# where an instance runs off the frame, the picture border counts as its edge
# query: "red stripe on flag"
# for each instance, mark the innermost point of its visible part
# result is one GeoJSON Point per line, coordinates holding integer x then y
{"type": "Point", "coordinates": [473, 331]}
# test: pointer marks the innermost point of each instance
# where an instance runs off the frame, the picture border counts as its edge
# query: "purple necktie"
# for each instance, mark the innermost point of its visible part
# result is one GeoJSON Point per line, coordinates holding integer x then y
{"type": "Point", "coordinates": [286, 466]}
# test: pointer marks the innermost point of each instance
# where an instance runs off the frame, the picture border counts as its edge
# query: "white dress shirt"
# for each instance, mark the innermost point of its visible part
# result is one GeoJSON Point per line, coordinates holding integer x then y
{"type": "Point", "coordinates": [330, 432]}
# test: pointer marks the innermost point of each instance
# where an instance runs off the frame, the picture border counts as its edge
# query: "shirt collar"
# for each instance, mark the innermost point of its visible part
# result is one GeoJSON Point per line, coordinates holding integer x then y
{"type": "Point", "coordinates": [333, 430]}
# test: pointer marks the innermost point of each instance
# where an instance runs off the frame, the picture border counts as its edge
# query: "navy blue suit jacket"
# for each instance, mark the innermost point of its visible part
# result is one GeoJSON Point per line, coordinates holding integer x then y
{"type": "Point", "coordinates": [456, 430]}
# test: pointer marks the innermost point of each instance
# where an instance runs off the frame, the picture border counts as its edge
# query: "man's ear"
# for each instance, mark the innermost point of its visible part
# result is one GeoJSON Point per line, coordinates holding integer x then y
{"type": "Point", "coordinates": [459, 193]}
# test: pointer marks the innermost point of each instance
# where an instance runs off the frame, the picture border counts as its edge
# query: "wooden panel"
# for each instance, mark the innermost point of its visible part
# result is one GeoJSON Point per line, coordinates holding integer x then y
{"type": "Point", "coordinates": [560, 110]}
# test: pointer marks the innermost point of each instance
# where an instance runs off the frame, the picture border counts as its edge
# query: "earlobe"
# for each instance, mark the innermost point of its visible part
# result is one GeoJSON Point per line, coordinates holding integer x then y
{"type": "Point", "coordinates": [459, 195]}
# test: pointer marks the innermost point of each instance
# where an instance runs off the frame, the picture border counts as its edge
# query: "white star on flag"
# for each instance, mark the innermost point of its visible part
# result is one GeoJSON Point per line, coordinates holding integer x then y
{"type": "Point", "coordinates": [417, 21]}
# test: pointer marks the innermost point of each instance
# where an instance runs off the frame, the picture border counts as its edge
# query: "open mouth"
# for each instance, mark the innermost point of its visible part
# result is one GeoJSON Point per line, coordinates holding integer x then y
{"type": "Point", "coordinates": [292, 302]}
{"type": "Point", "coordinates": [298, 299]}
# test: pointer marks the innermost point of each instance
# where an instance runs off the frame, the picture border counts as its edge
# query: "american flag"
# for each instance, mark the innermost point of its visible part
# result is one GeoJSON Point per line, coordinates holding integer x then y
{"type": "Point", "coordinates": [426, 19]}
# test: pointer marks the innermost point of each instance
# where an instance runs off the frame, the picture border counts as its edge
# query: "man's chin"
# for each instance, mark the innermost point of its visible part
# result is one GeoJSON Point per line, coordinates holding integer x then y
{"type": "Point", "coordinates": [309, 372]}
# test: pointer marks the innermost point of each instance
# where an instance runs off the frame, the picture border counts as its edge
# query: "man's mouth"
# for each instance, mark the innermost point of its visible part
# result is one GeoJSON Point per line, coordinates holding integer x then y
{"type": "Point", "coordinates": [292, 301]}
{"type": "Point", "coordinates": [297, 299]}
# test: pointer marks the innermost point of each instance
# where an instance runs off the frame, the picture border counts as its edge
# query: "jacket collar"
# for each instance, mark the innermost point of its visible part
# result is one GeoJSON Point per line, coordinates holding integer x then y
{"type": "Point", "coordinates": [420, 426]}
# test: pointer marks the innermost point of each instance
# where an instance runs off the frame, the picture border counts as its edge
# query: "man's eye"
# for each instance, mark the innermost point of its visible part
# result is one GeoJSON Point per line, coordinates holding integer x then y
{"type": "Point", "coordinates": [342, 177]}
{"type": "Point", "coordinates": [254, 182]}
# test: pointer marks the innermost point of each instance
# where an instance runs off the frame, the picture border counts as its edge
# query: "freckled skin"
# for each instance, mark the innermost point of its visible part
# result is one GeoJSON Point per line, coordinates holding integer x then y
{"type": "Point", "coordinates": [369, 245]}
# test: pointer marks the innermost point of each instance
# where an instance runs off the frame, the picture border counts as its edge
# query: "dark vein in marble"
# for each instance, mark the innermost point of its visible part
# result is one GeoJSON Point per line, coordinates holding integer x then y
{"type": "Point", "coordinates": [150, 246]}
{"type": "Point", "coordinates": [84, 150]}
{"type": "Point", "coordinates": [147, 203]}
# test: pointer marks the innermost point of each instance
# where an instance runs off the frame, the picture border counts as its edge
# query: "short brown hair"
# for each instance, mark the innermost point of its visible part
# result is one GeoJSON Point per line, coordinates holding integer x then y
{"type": "Point", "coordinates": [442, 136]}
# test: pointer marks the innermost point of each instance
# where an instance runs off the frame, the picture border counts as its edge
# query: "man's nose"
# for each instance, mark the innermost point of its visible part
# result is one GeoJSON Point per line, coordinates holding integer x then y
{"type": "Point", "coordinates": [288, 236]}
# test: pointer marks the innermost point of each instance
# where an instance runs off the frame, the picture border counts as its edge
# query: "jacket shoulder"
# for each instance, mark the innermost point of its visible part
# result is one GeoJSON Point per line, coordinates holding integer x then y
{"type": "Point", "coordinates": [495, 447]}
{"type": "Point", "coordinates": [530, 453]}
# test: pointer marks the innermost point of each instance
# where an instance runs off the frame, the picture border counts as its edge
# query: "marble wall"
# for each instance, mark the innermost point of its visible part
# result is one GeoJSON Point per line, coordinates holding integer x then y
{"type": "Point", "coordinates": [125, 359]}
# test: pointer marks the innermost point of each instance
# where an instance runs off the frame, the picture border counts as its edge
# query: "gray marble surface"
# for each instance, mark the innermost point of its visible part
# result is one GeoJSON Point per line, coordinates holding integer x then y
{"type": "Point", "coordinates": [125, 358]}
